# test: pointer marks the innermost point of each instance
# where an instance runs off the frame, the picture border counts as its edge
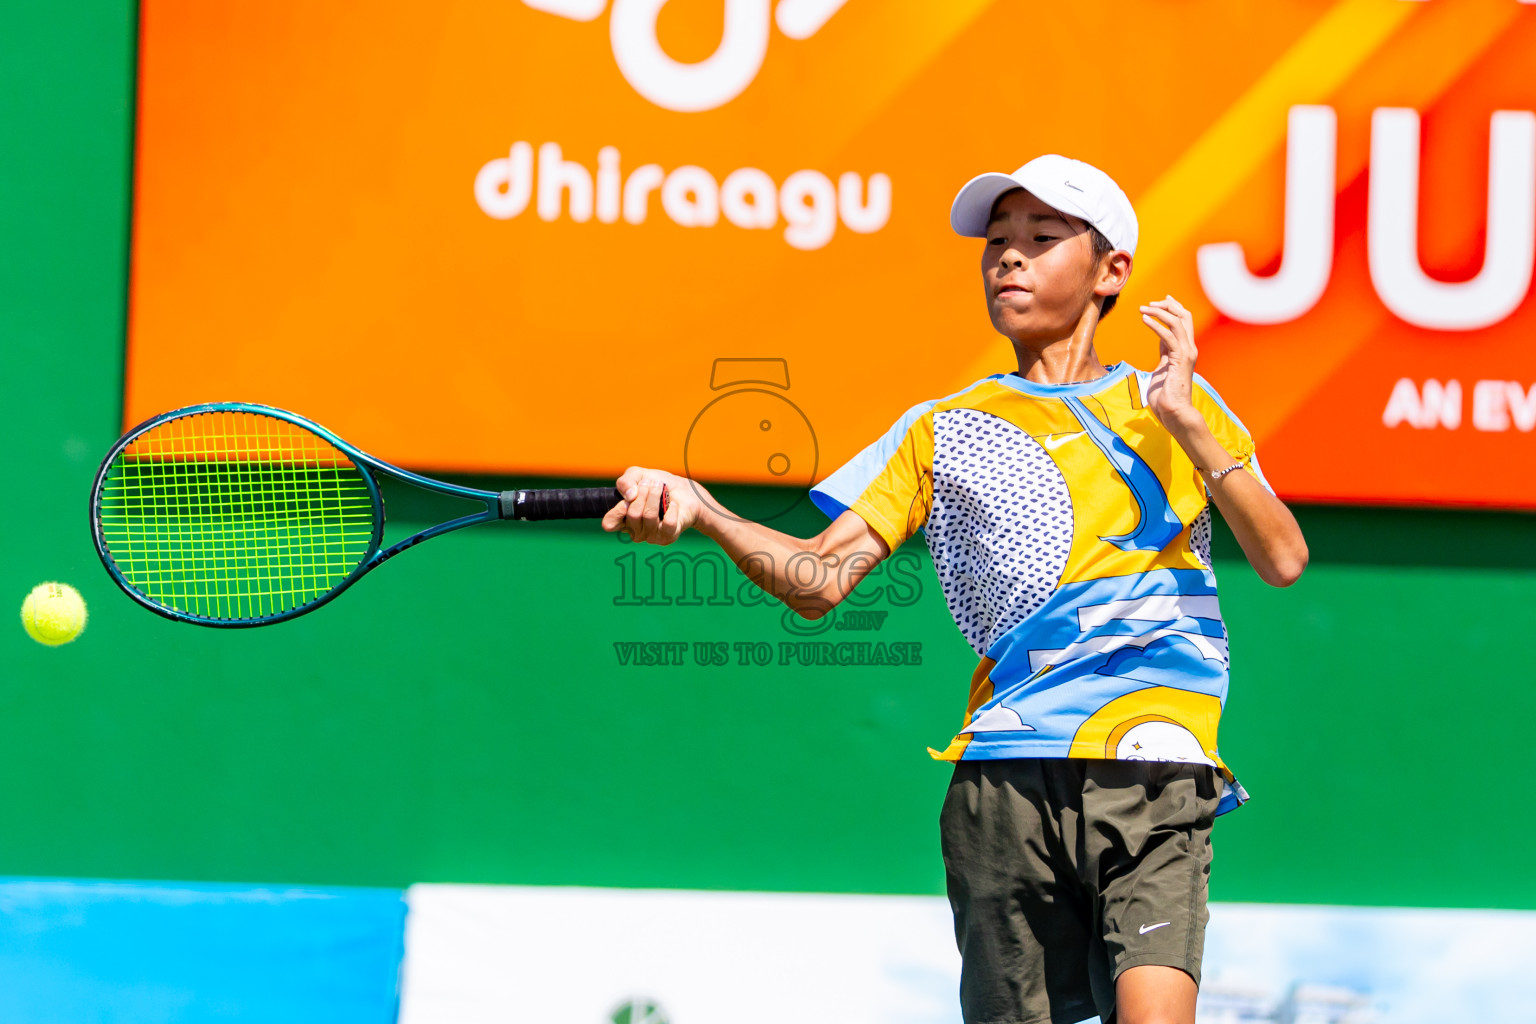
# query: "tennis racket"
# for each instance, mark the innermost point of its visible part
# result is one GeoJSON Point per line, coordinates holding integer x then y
{"type": "Point", "coordinates": [231, 514]}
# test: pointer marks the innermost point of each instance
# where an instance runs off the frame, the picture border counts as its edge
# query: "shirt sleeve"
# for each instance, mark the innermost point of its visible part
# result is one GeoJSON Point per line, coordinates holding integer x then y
{"type": "Point", "coordinates": [1229, 430]}
{"type": "Point", "coordinates": [889, 484]}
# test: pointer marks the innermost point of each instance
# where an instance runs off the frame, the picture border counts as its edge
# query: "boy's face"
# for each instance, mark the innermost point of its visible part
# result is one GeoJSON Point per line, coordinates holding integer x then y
{"type": "Point", "coordinates": [1038, 269]}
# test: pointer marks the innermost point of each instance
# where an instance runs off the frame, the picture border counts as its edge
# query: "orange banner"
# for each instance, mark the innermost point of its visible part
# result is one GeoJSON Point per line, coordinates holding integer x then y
{"type": "Point", "coordinates": [564, 236]}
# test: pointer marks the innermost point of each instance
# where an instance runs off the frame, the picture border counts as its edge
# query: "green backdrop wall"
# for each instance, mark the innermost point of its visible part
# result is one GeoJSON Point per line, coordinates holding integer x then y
{"type": "Point", "coordinates": [464, 716]}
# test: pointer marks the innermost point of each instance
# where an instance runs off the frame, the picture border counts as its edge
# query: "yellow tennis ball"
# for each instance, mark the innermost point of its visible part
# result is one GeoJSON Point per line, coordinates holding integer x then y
{"type": "Point", "coordinates": [53, 614]}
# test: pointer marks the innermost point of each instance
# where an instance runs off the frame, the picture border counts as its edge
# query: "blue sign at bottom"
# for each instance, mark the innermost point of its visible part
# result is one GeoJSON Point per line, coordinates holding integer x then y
{"type": "Point", "coordinates": [171, 953]}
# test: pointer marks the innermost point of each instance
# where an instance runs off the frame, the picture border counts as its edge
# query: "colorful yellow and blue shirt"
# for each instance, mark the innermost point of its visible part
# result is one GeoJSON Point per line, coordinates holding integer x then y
{"type": "Point", "coordinates": [1072, 539]}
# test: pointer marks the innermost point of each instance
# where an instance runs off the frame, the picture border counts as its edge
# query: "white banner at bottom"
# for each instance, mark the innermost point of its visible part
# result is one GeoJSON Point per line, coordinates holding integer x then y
{"type": "Point", "coordinates": [483, 954]}
{"type": "Point", "coordinates": [515, 955]}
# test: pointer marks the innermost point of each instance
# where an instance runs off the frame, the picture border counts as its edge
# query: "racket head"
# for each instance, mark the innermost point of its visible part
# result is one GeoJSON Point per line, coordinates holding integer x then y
{"type": "Point", "coordinates": [233, 514]}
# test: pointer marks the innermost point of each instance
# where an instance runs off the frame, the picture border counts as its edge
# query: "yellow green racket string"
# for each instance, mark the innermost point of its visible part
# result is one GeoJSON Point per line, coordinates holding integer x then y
{"type": "Point", "coordinates": [234, 515]}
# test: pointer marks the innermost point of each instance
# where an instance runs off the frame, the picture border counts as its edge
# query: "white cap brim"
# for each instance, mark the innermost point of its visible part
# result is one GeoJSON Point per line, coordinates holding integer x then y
{"type": "Point", "coordinates": [973, 206]}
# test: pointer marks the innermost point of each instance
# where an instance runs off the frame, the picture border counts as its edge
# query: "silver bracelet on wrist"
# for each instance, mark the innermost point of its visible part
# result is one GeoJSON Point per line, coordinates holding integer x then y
{"type": "Point", "coordinates": [1217, 474]}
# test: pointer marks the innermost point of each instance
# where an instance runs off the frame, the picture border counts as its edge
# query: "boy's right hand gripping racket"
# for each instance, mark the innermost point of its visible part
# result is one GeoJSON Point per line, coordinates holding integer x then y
{"type": "Point", "coordinates": [230, 514]}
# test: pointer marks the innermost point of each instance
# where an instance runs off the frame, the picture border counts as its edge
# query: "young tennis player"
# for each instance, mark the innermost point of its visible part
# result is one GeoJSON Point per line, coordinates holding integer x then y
{"type": "Point", "coordinates": [1066, 506]}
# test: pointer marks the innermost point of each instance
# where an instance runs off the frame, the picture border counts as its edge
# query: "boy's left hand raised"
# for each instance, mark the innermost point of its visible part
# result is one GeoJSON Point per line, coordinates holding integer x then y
{"type": "Point", "coordinates": [1170, 392]}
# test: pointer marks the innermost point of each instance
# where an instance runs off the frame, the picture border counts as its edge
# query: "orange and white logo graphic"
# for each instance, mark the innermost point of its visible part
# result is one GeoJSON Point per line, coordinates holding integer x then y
{"type": "Point", "coordinates": [718, 78]}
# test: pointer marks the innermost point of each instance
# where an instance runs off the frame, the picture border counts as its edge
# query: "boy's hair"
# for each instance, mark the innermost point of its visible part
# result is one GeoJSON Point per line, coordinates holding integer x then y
{"type": "Point", "coordinates": [1101, 248]}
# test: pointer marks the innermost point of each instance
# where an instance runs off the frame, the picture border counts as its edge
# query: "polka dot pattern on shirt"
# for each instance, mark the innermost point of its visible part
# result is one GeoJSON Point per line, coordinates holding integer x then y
{"type": "Point", "coordinates": [1200, 536]}
{"type": "Point", "coordinates": [1001, 526]}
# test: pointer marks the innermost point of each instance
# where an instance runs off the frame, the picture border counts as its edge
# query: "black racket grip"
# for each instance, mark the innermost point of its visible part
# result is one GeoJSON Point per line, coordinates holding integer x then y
{"type": "Point", "coordinates": [576, 502]}
{"type": "Point", "coordinates": [564, 503]}
{"type": "Point", "coordinates": [559, 503]}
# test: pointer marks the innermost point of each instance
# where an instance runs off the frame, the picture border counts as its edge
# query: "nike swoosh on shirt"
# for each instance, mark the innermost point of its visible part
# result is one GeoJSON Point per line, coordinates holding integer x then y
{"type": "Point", "coordinates": [1153, 927]}
{"type": "Point", "coordinates": [1052, 442]}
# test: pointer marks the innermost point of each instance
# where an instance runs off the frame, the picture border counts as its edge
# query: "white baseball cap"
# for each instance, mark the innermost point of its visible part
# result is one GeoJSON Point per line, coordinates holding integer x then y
{"type": "Point", "coordinates": [1067, 185]}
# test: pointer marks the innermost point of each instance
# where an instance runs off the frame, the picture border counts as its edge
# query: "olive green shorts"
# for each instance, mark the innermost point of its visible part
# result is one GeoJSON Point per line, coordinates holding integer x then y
{"type": "Point", "coordinates": [1064, 873]}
